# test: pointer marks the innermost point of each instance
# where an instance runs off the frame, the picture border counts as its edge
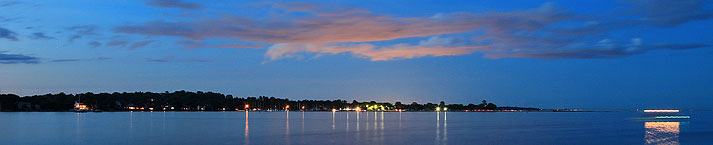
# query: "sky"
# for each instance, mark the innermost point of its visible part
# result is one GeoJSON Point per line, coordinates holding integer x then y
{"type": "Point", "coordinates": [590, 54]}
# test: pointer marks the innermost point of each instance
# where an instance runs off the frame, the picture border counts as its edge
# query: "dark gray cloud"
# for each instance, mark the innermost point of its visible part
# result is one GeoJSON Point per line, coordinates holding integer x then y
{"type": "Point", "coordinates": [9, 3]}
{"type": "Point", "coordinates": [118, 43]}
{"type": "Point", "coordinates": [84, 29]}
{"type": "Point", "coordinates": [17, 58]}
{"type": "Point", "coordinates": [7, 34]}
{"type": "Point", "coordinates": [81, 31]}
{"type": "Point", "coordinates": [173, 4]}
{"type": "Point", "coordinates": [140, 44]}
{"type": "Point", "coordinates": [94, 44]}
{"type": "Point", "coordinates": [191, 44]}
{"type": "Point", "coordinates": [74, 60]}
{"type": "Point", "coordinates": [666, 13]}
{"type": "Point", "coordinates": [171, 58]}
{"type": "Point", "coordinates": [595, 52]}
{"type": "Point", "coordinates": [66, 60]}
{"type": "Point", "coordinates": [6, 19]}
{"type": "Point", "coordinates": [40, 35]}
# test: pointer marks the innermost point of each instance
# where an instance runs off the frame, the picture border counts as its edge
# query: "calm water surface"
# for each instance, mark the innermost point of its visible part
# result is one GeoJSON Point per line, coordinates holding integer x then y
{"type": "Point", "coordinates": [296, 127]}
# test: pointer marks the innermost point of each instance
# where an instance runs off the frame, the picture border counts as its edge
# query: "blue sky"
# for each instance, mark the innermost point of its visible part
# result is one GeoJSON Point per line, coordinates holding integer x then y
{"type": "Point", "coordinates": [550, 54]}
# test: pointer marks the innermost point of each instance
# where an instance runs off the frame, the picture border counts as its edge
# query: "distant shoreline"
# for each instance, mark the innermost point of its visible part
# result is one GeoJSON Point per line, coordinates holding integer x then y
{"type": "Point", "coordinates": [185, 101]}
{"type": "Point", "coordinates": [210, 101]}
{"type": "Point", "coordinates": [524, 111]}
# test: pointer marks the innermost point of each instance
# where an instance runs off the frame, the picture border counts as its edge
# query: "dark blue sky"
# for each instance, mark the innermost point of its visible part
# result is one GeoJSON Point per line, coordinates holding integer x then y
{"type": "Point", "coordinates": [550, 54]}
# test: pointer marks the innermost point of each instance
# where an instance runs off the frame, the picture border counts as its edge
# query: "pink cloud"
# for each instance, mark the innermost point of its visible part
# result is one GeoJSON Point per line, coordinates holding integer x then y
{"type": "Point", "coordinates": [434, 46]}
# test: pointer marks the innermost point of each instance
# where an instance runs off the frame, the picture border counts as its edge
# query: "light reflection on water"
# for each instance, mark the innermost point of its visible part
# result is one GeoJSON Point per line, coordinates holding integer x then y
{"type": "Point", "coordinates": [347, 128]}
{"type": "Point", "coordinates": [247, 129]}
{"type": "Point", "coordinates": [662, 133]}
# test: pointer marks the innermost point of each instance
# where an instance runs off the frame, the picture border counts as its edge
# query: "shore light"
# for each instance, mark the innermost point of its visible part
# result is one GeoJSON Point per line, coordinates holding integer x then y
{"type": "Point", "coordinates": [438, 108]}
{"type": "Point", "coordinates": [445, 109]}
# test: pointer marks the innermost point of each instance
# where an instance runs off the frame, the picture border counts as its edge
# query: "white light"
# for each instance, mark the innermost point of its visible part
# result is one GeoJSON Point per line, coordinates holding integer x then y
{"type": "Point", "coordinates": [661, 111]}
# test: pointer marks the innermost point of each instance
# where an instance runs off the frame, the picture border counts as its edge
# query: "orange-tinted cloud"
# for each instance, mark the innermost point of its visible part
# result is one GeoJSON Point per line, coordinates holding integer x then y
{"type": "Point", "coordinates": [434, 46]}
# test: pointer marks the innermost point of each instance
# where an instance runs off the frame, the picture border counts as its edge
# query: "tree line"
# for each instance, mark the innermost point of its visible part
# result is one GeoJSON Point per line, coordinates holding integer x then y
{"type": "Point", "coordinates": [205, 101]}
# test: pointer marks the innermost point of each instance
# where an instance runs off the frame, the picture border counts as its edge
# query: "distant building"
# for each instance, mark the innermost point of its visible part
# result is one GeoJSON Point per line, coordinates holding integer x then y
{"type": "Point", "coordinates": [130, 106]}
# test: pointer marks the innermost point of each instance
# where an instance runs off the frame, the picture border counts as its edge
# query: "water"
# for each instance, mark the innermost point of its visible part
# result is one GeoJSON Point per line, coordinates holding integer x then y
{"type": "Point", "coordinates": [296, 128]}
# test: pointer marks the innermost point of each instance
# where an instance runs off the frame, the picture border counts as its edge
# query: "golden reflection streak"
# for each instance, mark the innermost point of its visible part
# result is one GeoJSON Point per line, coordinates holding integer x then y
{"type": "Point", "coordinates": [303, 121]}
{"type": "Point", "coordinates": [445, 127]}
{"type": "Point", "coordinates": [438, 128]}
{"type": "Point", "coordinates": [381, 133]}
{"type": "Point", "coordinates": [333, 117]}
{"type": "Point", "coordinates": [399, 119]}
{"type": "Point", "coordinates": [662, 133]}
{"type": "Point", "coordinates": [375, 118]}
{"type": "Point", "coordinates": [131, 124]}
{"type": "Point", "coordinates": [347, 121]}
{"type": "Point", "coordinates": [358, 134]}
{"type": "Point", "coordinates": [382, 120]}
{"type": "Point", "coordinates": [247, 129]}
{"type": "Point", "coordinates": [357, 121]}
{"type": "Point", "coordinates": [287, 128]}
{"type": "Point", "coordinates": [367, 120]}
{"type": "Point", "coordinates": [77, 130]}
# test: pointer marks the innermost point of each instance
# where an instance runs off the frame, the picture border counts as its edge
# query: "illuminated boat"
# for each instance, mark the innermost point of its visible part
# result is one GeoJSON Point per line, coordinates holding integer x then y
{"type": "Point", "coordinates": [665, 114]}
{"type": "Point", "coordinates": [79, 107]}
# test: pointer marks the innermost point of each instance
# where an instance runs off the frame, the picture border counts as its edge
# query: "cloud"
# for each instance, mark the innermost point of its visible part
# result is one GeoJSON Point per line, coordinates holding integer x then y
{"type": "Point", "coordinates": [433, 46]}
{"type": "Point", "coordinates": [5, 19]}
{"type": "Point", "coordinates": [7, 34]}
{"type": "Point", "coordinates": [94, 44]}
{"type": "Point", "coordinates": [666, 13]}
{"type": "Point", "coordinates": [9, 3]}
{"type": "Point", "coordinates": [17, 58]}
{"type": "Point", "coordinates": [548, 31]}
{"type": "Point", "coordinates": [81, 31]}
{"type": "Point", "coordinates": [171, 58]}
{"type": "Point", "coordinates": [603, 49]}
{"type": "Point", "coordinates": [118, 43]}
{"type": "Point", "coordinates": [190, 44]}
{"type": "Point", "coordinates": [173, 4]}
{"type": "Point", "coordinates": [84, 29]}
{"type": "Point", "coordinates": [140, 44]}
{"type": "Point", "coordinates": [344, 27]}
{"type": "Point", "coordinates": [40, 35]}
{"type": "Point", "coordinates": [74, 60]}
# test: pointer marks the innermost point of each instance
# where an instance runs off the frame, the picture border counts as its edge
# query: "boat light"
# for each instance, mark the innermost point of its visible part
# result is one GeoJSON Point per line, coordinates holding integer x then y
{"type": "Point", "coordinates": [661, 111]}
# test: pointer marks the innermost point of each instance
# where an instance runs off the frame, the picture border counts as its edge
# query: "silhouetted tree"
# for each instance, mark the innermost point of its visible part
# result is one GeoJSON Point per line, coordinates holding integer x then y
{"type": "Point", "coordinates": [491, 106]}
